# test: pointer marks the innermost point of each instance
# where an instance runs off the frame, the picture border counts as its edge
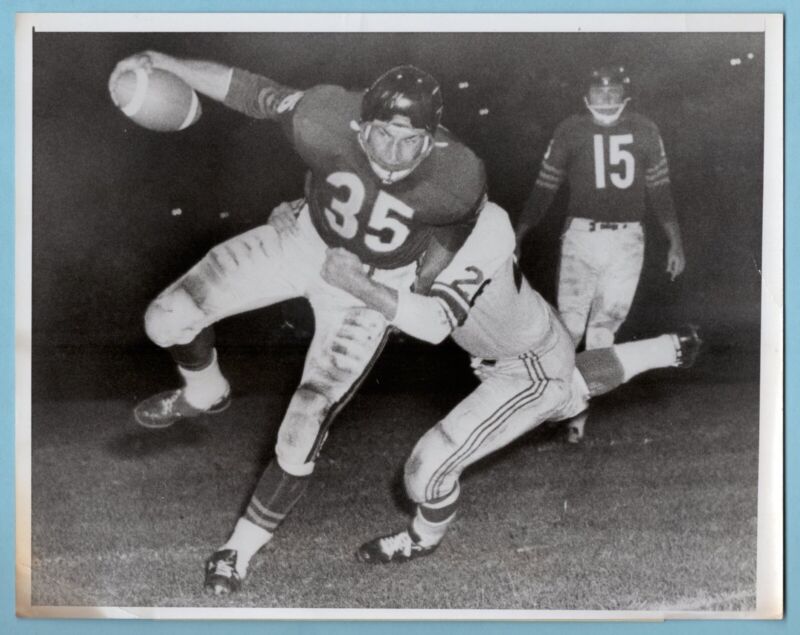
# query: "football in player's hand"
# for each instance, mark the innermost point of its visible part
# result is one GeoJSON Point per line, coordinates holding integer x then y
{"type": "Point", "coordinates": [157, 100]}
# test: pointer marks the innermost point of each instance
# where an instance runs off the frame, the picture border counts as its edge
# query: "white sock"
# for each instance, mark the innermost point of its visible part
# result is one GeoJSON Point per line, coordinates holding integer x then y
{"type": "Point", "coordinates": [205, 387]}
{"type": "Point", "coordinates": [247, 538]}
{"type": "Point", "coordinates": [656, 352]}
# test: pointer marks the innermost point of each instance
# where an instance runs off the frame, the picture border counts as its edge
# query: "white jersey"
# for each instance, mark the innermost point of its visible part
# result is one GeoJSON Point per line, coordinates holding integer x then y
{"type": "Point", "coordinates": [482, 299]}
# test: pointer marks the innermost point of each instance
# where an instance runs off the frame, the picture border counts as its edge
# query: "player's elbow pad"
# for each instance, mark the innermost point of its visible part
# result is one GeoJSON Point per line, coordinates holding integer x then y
{"type": "Point", "coordinates": [422, 317]}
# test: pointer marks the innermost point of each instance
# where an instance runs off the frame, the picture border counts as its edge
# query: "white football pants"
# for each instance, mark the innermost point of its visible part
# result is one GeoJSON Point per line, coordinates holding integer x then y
{"type": "Point", "coordinates": [262, 267]}
{"type": "Point", "coordinates": [598, 276]}
{"type": "Point", "coordinates": [515, 396]}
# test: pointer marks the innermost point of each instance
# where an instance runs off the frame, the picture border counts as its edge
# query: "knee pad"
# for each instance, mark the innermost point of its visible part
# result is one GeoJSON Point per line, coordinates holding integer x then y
{"type": "Point", "coordinates": [421, 468]}
{"type": "Point", "coordinates": [303, 430]}
{"type": "Point", "coordinates": [173, 318]}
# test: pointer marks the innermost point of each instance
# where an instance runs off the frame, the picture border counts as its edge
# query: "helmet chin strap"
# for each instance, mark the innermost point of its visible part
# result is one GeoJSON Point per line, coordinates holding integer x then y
{"type": "Point", "coordinates": [386, 175]}
{"type": "Point", "coordinates": [606, 119]}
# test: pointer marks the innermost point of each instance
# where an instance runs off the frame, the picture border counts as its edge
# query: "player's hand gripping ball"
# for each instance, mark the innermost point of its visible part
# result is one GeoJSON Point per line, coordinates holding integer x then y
{"type": "Point", "coordinates": [154, 98]}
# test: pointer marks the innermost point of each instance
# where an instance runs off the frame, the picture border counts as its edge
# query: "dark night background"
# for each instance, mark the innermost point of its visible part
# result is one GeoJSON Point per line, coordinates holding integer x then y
{"type": "Point", "coordinates": [105, 241]}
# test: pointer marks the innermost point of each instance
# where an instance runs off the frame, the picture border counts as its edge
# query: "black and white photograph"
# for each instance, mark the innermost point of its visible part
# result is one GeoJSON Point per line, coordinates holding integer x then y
{"type": "Point", "coordinates": [399, 316]}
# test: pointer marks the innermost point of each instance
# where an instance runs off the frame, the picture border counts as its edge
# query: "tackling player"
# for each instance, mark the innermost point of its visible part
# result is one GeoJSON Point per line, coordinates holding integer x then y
{"type": "Point", "coordinates": [385, 182]}
{"type": "Point", "coordinates": [614, 162]}
{"type": "Point", "coordinates": [520, 351]}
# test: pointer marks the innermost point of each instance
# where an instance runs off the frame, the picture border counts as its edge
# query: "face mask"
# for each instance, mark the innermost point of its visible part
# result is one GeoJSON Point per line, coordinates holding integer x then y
{"type": "Point", "coordinates": [388, 173]}
{"type": "Point", "coordinates": [602, 114]}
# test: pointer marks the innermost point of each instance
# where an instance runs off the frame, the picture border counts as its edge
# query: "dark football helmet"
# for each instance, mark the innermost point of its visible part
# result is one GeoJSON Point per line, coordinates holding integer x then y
{"type": "Point", "coordinates": [400, 113]}
{"type": "Point", "coordinates": [405, 91]}
{"type": "Point", "coordinates": [607, 93]}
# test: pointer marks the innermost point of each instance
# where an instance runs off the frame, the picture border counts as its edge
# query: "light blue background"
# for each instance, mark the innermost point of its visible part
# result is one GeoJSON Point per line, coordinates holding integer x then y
{"type": "Point", "coordinates": [10, 624]}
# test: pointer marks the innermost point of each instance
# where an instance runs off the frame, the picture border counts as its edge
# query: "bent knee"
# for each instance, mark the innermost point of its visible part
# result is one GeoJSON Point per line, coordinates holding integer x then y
{"type": "Point", "coordinates": [173, 318]}
{"type": "Point", "coordinates": [426, 471]}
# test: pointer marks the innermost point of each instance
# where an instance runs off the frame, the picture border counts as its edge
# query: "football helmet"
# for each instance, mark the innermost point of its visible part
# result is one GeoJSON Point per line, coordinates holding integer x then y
{"type": "Point", "coordinates": [400, 113]}
{"type": "Point", "coordinates": [607, 94]}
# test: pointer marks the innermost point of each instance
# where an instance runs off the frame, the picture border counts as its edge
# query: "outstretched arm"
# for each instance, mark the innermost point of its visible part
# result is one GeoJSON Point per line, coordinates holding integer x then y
{"type": "Point", "coordinates": [208, 78]}
{"type": "Point", "coordinates": [423, 317]}
{"type": "Point", "coordinates": [254, 95]}
{"type": "Point", "coordinates": [446, 306]}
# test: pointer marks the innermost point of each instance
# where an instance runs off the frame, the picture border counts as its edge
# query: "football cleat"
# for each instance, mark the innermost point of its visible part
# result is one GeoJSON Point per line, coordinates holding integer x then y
{"type": "Point", "coordinates": [689, 344]}
{"type": "Point", "coordinates": [166, 408]}
{"type": "Point", "coordinates": [399, 547]}
{"type": "Point", "coordinates": [574, 433]}
{"type": "Point", "coordinates": [221, 575]}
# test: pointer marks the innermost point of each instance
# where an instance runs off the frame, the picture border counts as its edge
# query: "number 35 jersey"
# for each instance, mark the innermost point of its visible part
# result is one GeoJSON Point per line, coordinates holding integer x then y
{"type": "Point", "coordinates": [609, 168]}
{"type": "Point", "coordinates": [386, 226]}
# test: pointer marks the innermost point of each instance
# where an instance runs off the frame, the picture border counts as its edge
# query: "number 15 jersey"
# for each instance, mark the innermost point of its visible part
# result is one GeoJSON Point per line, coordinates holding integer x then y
{"type": "Point", "coordinates": [609, 168]}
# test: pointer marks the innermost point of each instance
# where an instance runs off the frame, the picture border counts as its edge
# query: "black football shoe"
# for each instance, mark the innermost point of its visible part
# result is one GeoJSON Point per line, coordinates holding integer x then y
{"type": "Point", "coordinates": [399, 547]}
{"type": "Point", "coordinates": [689, 344]}
{"type": "Point", "coordinates": [169, 407]}
{"type": "Point", "coordinates": [221, 575]}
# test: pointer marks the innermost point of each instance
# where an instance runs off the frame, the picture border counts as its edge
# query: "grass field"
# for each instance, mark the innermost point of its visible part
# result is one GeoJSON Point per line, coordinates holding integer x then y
{"type": "Point", "coordinates": [655, 510]}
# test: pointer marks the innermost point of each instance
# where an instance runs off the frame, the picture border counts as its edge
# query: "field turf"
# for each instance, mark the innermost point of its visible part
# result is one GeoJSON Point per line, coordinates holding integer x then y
{"type": "Point", "coordinates": [655, 510]}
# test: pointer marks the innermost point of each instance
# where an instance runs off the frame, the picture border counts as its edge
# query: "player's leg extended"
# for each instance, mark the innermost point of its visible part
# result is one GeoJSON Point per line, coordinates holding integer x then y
{"type": "Point", "coordinates": [243, 273]}
{"type": "Point", "coordinates": [616, 285]}
{"type": "Point", "coordinates": [604, 369]}
{"type": "Point", "coordinates": [577, 281]}
{"type": "Point", "coordinates": [346, 343]}
{"type": "Point", "coordinates": [514, 397]}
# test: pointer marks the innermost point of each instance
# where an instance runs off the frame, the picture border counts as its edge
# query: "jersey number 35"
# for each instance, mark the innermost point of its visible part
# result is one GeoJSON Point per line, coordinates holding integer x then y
{"type": "Point", "coordinates": [342, 214]}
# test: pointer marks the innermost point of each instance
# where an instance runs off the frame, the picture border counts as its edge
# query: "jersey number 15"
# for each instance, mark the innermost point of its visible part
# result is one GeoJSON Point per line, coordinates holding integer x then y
{"type": "Point", "coordinates": [617, 156]}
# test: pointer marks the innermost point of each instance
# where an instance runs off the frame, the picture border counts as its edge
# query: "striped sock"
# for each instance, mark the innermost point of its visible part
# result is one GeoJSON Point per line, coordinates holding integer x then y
{"type": "Point", "coordinates": [276, 493]}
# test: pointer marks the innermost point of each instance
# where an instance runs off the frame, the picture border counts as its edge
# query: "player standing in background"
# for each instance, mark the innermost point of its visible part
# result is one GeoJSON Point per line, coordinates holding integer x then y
{"type": "Point", "coordinates": [385, 182]}
{"type": "Point", "coordinates": [520, 351]}
{"type": "Point", "coordinates": [614, 162]}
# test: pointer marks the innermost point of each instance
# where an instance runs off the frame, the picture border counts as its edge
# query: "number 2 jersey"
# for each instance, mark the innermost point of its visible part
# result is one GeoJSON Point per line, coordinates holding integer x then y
{"type": "Point", "coordinates": [482, 300]}
{"type": "Point", "coordinates": [386, 225]}
{"type": "Point", "coordinates": [609, 168]}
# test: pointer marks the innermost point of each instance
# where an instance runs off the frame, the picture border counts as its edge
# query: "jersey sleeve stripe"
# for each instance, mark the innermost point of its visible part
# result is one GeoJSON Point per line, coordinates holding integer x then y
{"type": "Point", "coordinates": [657, 175]}
{"type": "Point", "coordinates": [551, 168]}
{"type": "Point", "coordinates": [456, 307]}
{"type": "Point", "coordinates": [450, 292]}
{"type": "Point", "coordinates": [546, 185]}
{"type": "Point", "coordinates": [658, 166]}
{"type": "Point", "coordinates": [658, 183]}
{"type": "Point", "coordinates": [549, 177]}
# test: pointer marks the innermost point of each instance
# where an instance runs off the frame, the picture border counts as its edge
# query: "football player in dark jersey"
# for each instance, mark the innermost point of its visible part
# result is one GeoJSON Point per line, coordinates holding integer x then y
{"type": "Point", "coordinates": [386, 182]}
{"type": "Point", "coordinates": [614, 162]}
